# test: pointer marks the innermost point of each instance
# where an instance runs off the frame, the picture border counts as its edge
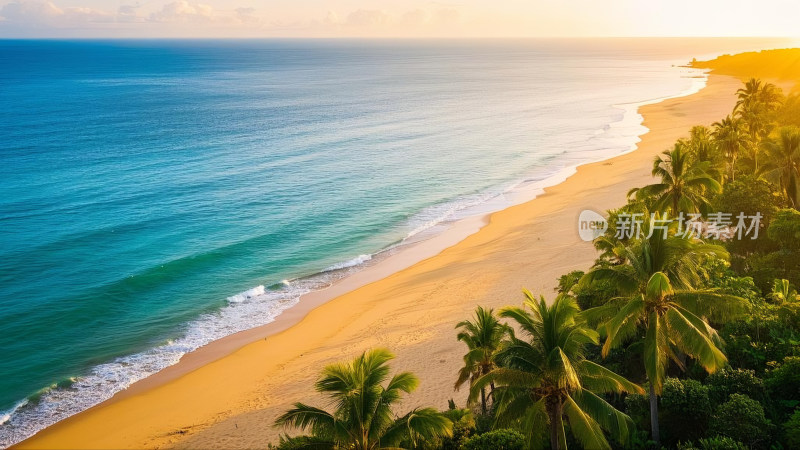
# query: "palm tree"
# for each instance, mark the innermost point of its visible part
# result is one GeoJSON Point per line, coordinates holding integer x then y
{"type": "Point", "coordinates": [783, 167]}
{"type": "Point", "coordinates": [684, 183]}
{"type": "Point", "coordinates": [546, 376]}
{"type": "Point", "coordinates": [662, 305]}
{"type": "Point", "coordinates": [702, 146]}
{"type": "Point", "coordinates": [748, 94]}
{"type": "Point", "coordinates": [758, 95]}
{"type": "Point", "coordinates": [731, 138]}
{"type": "Point", "coordinates": [756, 105]}
{"type": "Point", "coordinates": [363, 419]}
{"type": "Point", "coordinates": [482, 335]}
{"type": "Point", "coordinates": [782, 292]}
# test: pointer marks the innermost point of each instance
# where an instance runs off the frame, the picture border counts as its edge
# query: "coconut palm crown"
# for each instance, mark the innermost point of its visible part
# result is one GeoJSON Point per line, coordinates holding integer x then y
{"type": "Point", "coordinates": [362, 418]}
{"type": "Point", "coordinates": [544, 378]}
{"type": "Point", "coordinates": [685, 183]}
{"type": "Point", "coordinates": [482, 335]}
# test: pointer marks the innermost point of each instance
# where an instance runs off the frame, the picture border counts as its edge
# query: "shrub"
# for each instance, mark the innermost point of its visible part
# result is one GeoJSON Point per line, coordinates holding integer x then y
{"type": "Point", "coordinates": [783, 383]}
{"type": "Point", "coordinates": [588, 295]}
{"type": "Point", "coordinates": [768, 333]}
{"type": "Point", "coordinates": [749, 195]}
{"type": "Point", "coordinates": [791, 430]}
{"type": "Point", "coordinates": [463, 428]}
{"type": "Point", "coordinates": [714, 443]}
{"type": "Point", "coordinates": [727, 381]}
{"type": "Point", "coordinates": [765, 269]}
{"type": "Point", "coordinates": [785, 229]}
{"type": "Point", "coordinates": [568, 281]}
{"type": "Point", "coordinates": [637, 407]}
{"type": "Point", "coordinates": [685, 409]}
{"type": "Point", "coordinates": [502, 439]}
{"type": "Point", "coordinates": [721, 276]}
{"type": "Point", "coordinates": [485, 422]}
{"type": "Point", "coordinates": [741, 418]}
{"type": "Point", "coordinates": [295, 443]}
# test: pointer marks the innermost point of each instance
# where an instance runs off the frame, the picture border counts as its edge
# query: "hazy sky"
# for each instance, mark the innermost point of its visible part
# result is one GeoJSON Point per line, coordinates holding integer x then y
{"type": "Point", "coordinates": [395, 18]}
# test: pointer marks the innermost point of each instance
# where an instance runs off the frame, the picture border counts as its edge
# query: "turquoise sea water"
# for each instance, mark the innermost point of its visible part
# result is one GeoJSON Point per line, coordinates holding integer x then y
{"type": "Point", "coordinates": [156, 195]}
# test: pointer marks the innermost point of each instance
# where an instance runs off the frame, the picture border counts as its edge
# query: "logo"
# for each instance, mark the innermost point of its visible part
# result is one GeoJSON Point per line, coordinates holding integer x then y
{"type": "Point", "coordinates": [591, 225]}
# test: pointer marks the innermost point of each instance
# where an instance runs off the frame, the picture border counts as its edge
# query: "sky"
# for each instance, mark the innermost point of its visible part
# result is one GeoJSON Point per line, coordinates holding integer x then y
{"type": "Point", "coordinates": [395, 18]}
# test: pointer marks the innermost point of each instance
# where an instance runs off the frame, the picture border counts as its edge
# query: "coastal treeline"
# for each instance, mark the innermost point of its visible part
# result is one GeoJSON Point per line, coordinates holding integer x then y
{"type": "Point", "coordinates": [684, 334]}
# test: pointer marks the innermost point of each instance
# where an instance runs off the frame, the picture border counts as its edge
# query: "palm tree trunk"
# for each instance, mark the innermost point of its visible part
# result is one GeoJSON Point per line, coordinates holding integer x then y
{"type": "Point", "coordinates": [483, 400]}
{"type": "Point", "coordinates": [557, 438]}
{"type": "Point", "coordinates": [755, 160]}
{"type": "Point", "coordinates": [654, 415]}
{"type": "Point", "coordinates": [491, 391]}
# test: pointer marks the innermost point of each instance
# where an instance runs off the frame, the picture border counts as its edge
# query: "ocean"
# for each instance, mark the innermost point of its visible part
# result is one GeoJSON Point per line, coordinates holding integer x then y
{"type": "Point", "coordinates": [158, 195]}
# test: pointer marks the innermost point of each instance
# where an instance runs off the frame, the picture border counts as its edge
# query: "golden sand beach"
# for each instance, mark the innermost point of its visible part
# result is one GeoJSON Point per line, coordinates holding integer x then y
{"type": "Point", "coordinates": [228, 394]}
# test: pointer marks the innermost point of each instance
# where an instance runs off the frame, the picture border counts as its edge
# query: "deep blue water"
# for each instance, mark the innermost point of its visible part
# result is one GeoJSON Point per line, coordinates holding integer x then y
{"type": "Point", "coordinates": [145, 183]}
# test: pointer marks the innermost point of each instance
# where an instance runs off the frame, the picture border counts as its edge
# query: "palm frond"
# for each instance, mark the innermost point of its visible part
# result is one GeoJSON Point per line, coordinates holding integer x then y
{"type": "Point", "coordinates": [618, 424]}
{"type": "Point", "coordinates": [597, 378]}
{"type": "Point", "coordinates": [694, 341]}
{"type": "Point", "coordinates": [585, 429]}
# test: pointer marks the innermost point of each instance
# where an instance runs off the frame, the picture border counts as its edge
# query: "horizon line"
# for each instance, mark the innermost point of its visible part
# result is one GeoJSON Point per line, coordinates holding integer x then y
{"type": "Point", "coordinates": [375, 38]}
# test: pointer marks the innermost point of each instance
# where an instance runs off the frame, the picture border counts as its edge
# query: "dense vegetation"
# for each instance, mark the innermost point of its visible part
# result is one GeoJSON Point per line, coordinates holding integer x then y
{"type": "Point", "coordinates": [673, 339]}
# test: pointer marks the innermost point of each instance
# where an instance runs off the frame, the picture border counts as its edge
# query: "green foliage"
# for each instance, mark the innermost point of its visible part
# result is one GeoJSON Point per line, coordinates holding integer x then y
{"type": "Point", "coordinates": [732, 139]}
{"type": "Point", "coordinates": [640, 440]}
{"type": "Point", "coordinates": [567, 281]}
{"type": "Point", "coordinates": [722, 383]}
{"type": "Point", "coordinates": [775, 257]}
{"type": "Point", "coordinates": [785, 229]}
{"type": "Point", "coordinates": [685, 410]}
{"type": "Point", "coordinates": [301, 443]}
{"type": "Point", "coordinates": [791, 430]}
{"type": "Point", "coordinates": [780, 264]}
{"type": "Point", "coordinates": [782, 165]}
{"type": "Point", "coordinates": [768, 333]}
{"type": "Point", "coordinates": [719, 275]}
{"type": "Point", "coordinates": [714, 443]}
{"type": "Point", "coordinates": [587, 295]}
{"type": "Point", "coordinates": [789, 113]}
{"type": "Point", "coordinates": [783, 292]}
{"type": "Point", "coordinates": [485, 422]}
{"type": "Point", "coordinates": [502, 439]}
{"type": "Point", "coordinates": [749, 195]}
{"type": "Point", "coordinates": [742, 418]}
{"type": "Point", "coordinates": [783, 383]}
{"type": "Point", "coordinates": [463, 429]}
{"type": "Point", "coordinates": [637, 406]}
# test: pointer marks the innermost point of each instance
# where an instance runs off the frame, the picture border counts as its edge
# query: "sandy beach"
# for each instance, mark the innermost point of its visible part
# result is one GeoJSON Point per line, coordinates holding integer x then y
{"type": "Point", "coordinates": [228, 394]}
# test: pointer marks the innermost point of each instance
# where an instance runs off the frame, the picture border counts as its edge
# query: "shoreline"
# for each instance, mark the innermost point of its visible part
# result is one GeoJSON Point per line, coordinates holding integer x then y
{"type": "Point", "coordinates": [407, 255]}
{"type": "Point", "coordinates": [418, 262]}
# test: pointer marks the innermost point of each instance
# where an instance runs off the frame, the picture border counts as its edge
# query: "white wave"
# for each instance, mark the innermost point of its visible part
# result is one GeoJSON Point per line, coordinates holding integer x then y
{"type": "Point", "coordinates": [6, 416]}
{"type": "Point", "coordinates": [446, 212]}
{"type": "Point", "coordinates": [257, 307]}
{"type": "Point", "coordinates": [357, 261]}
{"type": "Point", "coordinates": [246, 295]}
